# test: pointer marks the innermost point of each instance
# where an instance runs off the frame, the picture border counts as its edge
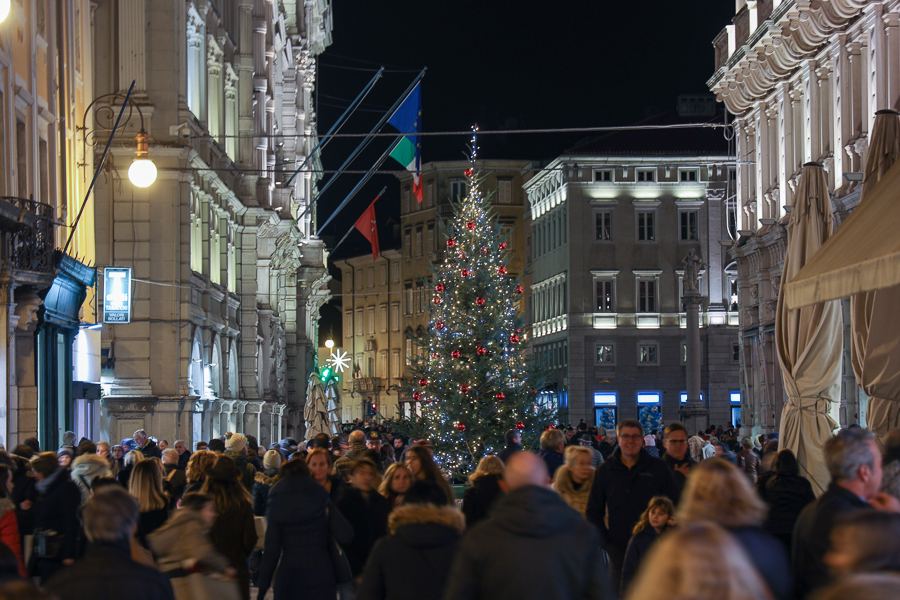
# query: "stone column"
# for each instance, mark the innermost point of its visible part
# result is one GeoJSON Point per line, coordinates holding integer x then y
{"type": "Point", "coordinates": [694, 415]}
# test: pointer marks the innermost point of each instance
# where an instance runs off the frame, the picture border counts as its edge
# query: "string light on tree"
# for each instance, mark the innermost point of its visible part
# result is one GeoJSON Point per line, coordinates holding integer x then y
{"type": "Point", "coordinates": [474, 395]}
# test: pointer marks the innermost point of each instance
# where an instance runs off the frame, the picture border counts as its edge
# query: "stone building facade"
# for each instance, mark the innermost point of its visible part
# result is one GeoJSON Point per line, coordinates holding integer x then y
{"type": "Point", "coordinates": [229, 276]}
{"type": "Point", "coordinates": [803, 82]}
{"type": "Point", "coordinates": [612, 221]}
{"type": "Point", "coordinates": [50, 358]}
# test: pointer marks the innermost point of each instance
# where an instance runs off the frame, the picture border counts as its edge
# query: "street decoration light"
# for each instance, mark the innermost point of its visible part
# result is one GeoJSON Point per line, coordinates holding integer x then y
{"type": "Point", "coordinates": [142, 172]}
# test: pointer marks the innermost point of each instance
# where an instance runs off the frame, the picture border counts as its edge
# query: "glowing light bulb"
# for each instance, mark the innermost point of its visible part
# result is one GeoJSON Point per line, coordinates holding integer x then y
{"type": "Point", "coordinates": [142, 172]}
{"type": "Point", "coordinates": [5, 5]}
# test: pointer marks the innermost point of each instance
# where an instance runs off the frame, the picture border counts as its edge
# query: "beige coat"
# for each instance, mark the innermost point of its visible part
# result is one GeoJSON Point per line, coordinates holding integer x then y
{"type": "Point", "coordinates": [576, 498]}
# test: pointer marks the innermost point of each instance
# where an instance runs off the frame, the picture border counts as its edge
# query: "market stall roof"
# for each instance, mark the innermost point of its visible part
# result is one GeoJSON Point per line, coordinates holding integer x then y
{"type": "Point", "coordinates": [863, 254]}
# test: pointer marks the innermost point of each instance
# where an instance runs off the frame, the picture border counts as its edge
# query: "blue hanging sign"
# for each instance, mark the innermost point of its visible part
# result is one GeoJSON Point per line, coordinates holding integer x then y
{"type": "Point", "coordinates": [117, 295]}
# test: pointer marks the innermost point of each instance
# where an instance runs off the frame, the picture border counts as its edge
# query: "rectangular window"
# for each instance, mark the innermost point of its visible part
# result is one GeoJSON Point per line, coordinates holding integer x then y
{"type": "Point", "coordinates": [458, 189]}
{"type": "Point", "coordinates": [604, 225]}
{"type": "Point", "coordinates": [648, 354]}
{"type": "Point", "coordinates": [371, 277]}
{"type": "Point", "coordinates": [348, 324]}
{"type": "Point", "coordinates": [606, 354]}
{"type": "Point", "coordinates": [504, 191]}
{"type": "Point", "coordinates": [359, 279]}
{"type": "Point", "coordinates": [646, 226]}
{"type": "Point", "coordinates": [646, 175]}
{"type": "Point", "coordinates": [420, 304]}
{"type": "Point", "coordinates": [395, 272]}
{"type": "Point", "coordinates": [383, 318]}
{"type": "Point", "coordinates": [384, 274]}
{"type": "Point", "coordinates": [408, 300]}
{"type": "Point", "coordinates": [383, 364]}
{"type": "Point", "coordinates": [370, 320]}
{"type": "Point", "coordinates": [647, 295]}
{"type": "Point", "coordinates": [648, 398]}
{"type": "Point", "coordinates": [359, 321]}
{"type": "Point", "coordinates": [689, 230]}
{"type": "Point", "coordinates": [410, 348]}
{"type": "Point", "coordinates": [418, 242]}
{"type": "Point", "coordinates": [395, 316]}
{"type": "Point", "coordinates": [605, 175]}
{"type": "Point", "coordinates": [606, 299]}
{"type": "Point", "coordinates": [688, 175]}
{"type": "Point", "coordinates": [429, 241]}
{"type": "Point", "coordinates": [407, 244]}
{"type": "Point", "coordinates": [405, 200]}
{"type": "Point", "coordinates": [736, 352]}
{"type": "Point", "coordinates": [395, 364]}
{"type": "Point", "coordinates": [45, 163]}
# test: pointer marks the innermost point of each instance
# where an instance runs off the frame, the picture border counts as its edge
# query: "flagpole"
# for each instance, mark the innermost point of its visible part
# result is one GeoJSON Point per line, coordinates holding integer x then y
{"type": "Point", "coordinates": [366, 141]}
{"type": "Point", "coordinates": [361, 183]}
{"type": "Point", "coordinates": [350, 108]}
{"type": "Point", "coordinates": [383, 190]}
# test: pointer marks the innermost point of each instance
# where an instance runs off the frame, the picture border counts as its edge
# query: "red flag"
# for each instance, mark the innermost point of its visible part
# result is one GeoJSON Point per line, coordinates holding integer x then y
{"type": "Point", "coordinates": [367, 226]}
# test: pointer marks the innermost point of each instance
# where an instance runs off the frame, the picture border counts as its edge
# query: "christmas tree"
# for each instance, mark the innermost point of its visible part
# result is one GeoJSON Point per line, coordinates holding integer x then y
{"type": "Point", "coordinates": [472, 376]}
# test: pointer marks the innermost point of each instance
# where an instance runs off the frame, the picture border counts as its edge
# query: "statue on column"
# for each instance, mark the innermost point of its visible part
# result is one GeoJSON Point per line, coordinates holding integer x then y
{"type": "Point", "coordinates": [693, 264]}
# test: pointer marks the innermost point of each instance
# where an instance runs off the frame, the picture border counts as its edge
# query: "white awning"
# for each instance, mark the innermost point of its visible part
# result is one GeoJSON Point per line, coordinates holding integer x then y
{"type": "Point", "coordinates": [863, 254]}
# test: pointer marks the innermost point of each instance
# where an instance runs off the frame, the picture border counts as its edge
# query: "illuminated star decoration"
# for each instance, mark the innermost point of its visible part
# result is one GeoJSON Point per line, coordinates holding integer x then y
{"type": "Point", "coordinates": [339, 361]}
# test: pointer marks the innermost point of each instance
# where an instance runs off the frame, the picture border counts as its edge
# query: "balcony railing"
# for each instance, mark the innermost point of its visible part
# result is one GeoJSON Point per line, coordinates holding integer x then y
{"type": "Point", "coordinates": [367, 385]}
{"type": "Point", "coordinates": [31, 240]}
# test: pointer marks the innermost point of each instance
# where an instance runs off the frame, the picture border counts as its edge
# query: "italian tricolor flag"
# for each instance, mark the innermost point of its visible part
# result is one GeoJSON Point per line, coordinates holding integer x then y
{"type": "Point", "coordinates": [408, 151]}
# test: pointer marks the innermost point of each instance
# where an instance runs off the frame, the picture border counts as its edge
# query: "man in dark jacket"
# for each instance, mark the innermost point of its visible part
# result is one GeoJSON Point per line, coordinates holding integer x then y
{"type": "Point", "coordinates": [107, 570]}
{"type": "Point", "coordinates": [854, 463]}
{"type": "Point", "coordinates": [513, 444]}
{"type": "Point", "coordinates": [624, 485]}
{"type": "Point", "coordinates": [677, 457]}
{"type": "Point", "coordinates": [184, 455]}
{"type": "Point", "coordinates": [147, 446]}
{"type": "Point", "coordinates": [55, 514]}
{"type": "Point", "coordinates": [533, 545]}
{"type": "Point", "coordinates": [553, 442]}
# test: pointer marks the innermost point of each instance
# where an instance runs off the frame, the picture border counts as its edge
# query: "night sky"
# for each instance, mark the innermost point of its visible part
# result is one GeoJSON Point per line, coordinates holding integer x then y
{"type": "Point", "coordinates": [503, 65]}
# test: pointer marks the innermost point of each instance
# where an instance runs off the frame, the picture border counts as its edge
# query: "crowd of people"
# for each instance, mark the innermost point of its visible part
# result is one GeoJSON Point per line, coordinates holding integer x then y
{"type": "Point", "coordinates": [369, 515]}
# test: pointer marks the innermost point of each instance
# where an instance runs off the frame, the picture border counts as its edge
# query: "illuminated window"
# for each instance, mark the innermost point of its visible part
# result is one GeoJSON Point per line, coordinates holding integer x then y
{"type": "Point", "coordinates": [606, 354]}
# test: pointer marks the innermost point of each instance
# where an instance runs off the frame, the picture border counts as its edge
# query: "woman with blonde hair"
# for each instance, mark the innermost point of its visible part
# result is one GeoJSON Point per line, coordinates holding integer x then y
{"type": "Point", "coordinates": [720, 492]}
{"type": "Point", "coordinates": [196, 470]}
{"type": "Point", "coordinates": [395, 484]}
{"type": "Point", "coordinates": [146, 485]}
{"type": "Point", "coordinates": [700, 561]}
{"type": "Point", "coordinates": [574, 478]}
{"type": "Point", "coordinates": [484, 489]}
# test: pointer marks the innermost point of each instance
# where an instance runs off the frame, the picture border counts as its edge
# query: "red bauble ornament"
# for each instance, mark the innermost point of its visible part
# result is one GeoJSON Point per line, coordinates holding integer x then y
{"type": "Point", "coordinates": [479, 301]}
{"type": "Point", "coordinates": [439, 287]}
{"type": "Point", "coordinates": [438, 301]}
{"type": "Point", "coordinates": [455, 354]}
{"type": "Point", "coordinates": [533, 392]}
{"type": "Point", "coordinates": [451, 243]}
{"type": "Point", "coordinates": [518, 331]}
{"type": "Point", "coordinates": [470, 225]}
{"type": "Point", "coordinates": [464, 388]}
{"type": "Point", "coordinates": [514, 339]}
{"type": "Point", "coordinates": [461, 426]}
{"type": "Point", "coordinates": [519, 289]}
{"type": "Point", "coordinates": [520, 425]}
{"type": "Point", "coordinates": [423, 382]}
{"type": "Point", "coordinates": [439, 324]}
{"type": "Point", "coordinates": [484, 250]}
{"type": "Point", "coordinates": [417, 396]}
{"type": "Point", "coordinates": [480, 350]}
{"type": "Point", "coordinates": [499, 396]}
{"type": "Point", "coordinates": [464, 272]}
{"type": "Point", "coordinates": [435, 355]}
{"type": "Point", "coordinates": [469, 172]}
{"type": "Point", "coordinates": [502, 270]}
{"type": "Point", "coordinates": [502, 245]}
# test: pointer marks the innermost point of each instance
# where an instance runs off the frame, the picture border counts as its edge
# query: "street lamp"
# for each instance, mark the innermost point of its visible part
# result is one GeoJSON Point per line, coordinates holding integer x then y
{"type": "Point", "coordinates": [142, 172]}
{"type": "Point", "coordinates": [329, 343]}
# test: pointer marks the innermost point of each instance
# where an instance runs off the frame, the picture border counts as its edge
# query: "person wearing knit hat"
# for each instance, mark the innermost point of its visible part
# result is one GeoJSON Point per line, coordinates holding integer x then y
{"type": "Point", "coordinates": [264, 480]}
{"type": "Point", "coordinates": [64, 456]}
{"type": "Point", "coordinates": [236, 448]}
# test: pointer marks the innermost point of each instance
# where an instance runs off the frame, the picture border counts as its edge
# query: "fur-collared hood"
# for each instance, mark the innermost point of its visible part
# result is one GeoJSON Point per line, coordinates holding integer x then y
{"type": "Point", "coordinates": [408, 514]}
{"type": "Point", "coordinates": [90, 466]}
{"type": "Point", "coordinates": [264, 479]}
{"type": "Point", "coordinates": [563, 483]}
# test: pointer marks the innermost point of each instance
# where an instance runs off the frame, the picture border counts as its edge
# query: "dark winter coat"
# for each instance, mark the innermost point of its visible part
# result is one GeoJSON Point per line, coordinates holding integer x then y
{"type": "Point", "coordinates": [413, 561]}
{"type": "Point", "coordinates": [673, 462]}
{"type": "Point", "coordinates": [150, 521]}
{"type": "Point", "coordinates": [770, 557]}
{"type": "Point", "coordinates": [368, 516]}
{"type": "Point", "coordinates": [57, 510]}
{"type": "Point", "coordinates": [508, 451]}
{"type": "Point", "coordinates": [552, 459]}
{"type": "Point", "coordinates": [748, 461]}
{"type": "Point", "coordinates": [786, 497]}
{"type": "Point", "coordinates": [124, 475]}
{"type": "Point", "coordinates": [262, 484]}
{"type": "Point", "coordinates": [533, 546]}
{"type": "Point", "coordinates": [480, 497]}
{"type": "Point", "coordinates": [298, 535]}
{"type": "Point", "coordinates": [184, 459]}
{"type": "Point", "coordinates": [108, 573]}
{"type": "Point", "coordinates": [151, 450]}
{"type": "Point", "coordinates": [175, 482]}
{"type": "Point", "coordinates": [234, 535]}
{"type": "Point", "coordinates": [625, 493]}
{"type": "Point", "coordinates": [638, 547]}
{"type": "Point", "coordinates": [812, 535]}
{"type": "Point", "coordinates": [248, 471]}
